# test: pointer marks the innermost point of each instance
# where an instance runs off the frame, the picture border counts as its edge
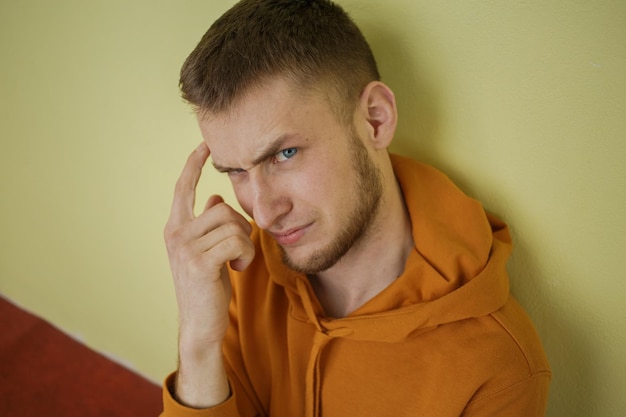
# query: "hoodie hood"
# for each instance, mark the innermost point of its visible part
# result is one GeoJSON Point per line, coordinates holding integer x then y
{"type": "Point", "coordinates": [443, 339]}
{"type": "Point", "coordinates": [457, 269]}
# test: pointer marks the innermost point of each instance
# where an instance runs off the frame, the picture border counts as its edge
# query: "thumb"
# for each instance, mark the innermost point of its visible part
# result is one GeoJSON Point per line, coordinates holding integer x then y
{"type": "Point", "coordinates": [244, 261]}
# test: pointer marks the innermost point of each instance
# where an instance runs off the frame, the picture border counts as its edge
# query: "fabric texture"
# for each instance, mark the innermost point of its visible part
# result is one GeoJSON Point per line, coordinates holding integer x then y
{"type": "Point", "coordinates": [45, 372]}
{"type": "Point", "coordinates": [445, 339]}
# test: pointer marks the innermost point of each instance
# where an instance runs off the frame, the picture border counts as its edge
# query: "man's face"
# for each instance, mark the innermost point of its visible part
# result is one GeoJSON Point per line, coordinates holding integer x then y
{"type": "Point", "coordinates": [301, 175]}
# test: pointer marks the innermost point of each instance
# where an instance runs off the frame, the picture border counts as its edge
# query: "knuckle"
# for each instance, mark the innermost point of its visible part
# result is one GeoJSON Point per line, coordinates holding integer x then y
{"type": "Point", "coordinates": [225, 211]}
{"type": "Point", "coordinates": [172, 236]}
{"type": "Point", "coordinates": [196, 262]}
{"type": "Point", "coordinates": [186, 254]}
{"type": "Point", "coordinates": [236, 243]}
{"type": "Point", "coordinates": [220, 210]}
{"type": "Point", "coordinates": [168, 231]}
{"type": "Point", "coordinates": [231, 228]}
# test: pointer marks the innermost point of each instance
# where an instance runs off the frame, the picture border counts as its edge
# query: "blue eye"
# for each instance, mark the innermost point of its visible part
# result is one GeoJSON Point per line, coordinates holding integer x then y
{"type": "Point", "coordinates": [286, 154]}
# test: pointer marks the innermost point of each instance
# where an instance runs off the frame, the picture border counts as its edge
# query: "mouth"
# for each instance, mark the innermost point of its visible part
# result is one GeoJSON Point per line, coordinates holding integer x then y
{"type": "Point", "coordinates": [291, 236]}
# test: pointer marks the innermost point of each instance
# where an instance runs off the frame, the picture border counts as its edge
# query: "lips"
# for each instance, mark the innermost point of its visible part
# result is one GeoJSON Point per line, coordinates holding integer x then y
{"type": "Point", "coordinates": [290, 237]}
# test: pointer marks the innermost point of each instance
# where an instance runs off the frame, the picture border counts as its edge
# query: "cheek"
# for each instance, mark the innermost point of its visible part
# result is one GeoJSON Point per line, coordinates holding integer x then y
{"type": "Point", "coordinates": [319, 196]}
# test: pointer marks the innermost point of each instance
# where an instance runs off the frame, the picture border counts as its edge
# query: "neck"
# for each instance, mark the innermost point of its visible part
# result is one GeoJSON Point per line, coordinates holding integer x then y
{"type": "Point", "coordinates": [372, 265]}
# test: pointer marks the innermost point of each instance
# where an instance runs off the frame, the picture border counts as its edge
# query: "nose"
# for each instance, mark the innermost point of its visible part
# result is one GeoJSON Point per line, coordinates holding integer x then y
{"type": "Point", "coordinates": [270, 202]}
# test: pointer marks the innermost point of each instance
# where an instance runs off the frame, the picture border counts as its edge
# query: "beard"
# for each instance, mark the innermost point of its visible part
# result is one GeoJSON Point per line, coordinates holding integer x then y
{"type": "Point", "coordinates": [368, 191]}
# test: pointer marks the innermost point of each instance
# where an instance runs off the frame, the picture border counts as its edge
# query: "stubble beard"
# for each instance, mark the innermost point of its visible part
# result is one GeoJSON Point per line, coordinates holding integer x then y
{"type": "Point", "coordinates": [369, 190]}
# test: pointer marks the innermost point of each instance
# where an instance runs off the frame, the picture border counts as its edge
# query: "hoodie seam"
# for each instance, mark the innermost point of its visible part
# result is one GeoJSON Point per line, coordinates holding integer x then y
{"type": "Point", "coordinates": [505, 387]}
{"type": "Point", "coordinates": [532, 368]}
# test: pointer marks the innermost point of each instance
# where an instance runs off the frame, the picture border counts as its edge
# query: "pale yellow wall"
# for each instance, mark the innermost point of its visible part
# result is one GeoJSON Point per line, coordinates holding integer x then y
{"type": "Point", "coordinates": [523, 103]}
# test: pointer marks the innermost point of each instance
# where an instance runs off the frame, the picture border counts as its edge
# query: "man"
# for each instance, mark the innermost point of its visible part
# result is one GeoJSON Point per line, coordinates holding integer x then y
{"type": "Point", "coordinates": [367, 284]}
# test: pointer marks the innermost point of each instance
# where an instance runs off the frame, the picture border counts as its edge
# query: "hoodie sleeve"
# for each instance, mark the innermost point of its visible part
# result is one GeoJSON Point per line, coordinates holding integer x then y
{"type": "Point", "coordinates": [527, 398]}
{"type": "Point", "coordinates": [172, 408]}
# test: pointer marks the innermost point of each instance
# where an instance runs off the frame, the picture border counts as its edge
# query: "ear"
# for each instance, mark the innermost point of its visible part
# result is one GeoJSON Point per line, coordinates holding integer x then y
{"type": "Point", "coordinates": [378, 105]}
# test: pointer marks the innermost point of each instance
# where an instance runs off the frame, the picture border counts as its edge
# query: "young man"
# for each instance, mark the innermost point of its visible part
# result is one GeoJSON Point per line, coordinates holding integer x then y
{"type": "Point", "coordinates": [367, 284]}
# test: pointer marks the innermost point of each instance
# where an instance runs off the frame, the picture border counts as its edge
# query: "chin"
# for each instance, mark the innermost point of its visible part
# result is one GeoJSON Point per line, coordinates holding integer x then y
{"type": "Point", "coordinates": [311, 263]}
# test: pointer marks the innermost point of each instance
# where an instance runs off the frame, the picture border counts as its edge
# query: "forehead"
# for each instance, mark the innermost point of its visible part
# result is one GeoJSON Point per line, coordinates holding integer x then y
{"type": "Point", "coordinates": [275, 110]}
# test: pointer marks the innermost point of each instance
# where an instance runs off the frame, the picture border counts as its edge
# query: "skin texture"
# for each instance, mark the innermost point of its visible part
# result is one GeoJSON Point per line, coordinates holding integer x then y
{"type": "Point", "coordinates": [198, 249]}
{"type": "Point", "coordinates": [368, 192]}
{"type": "Point", "coordinates": [316, 189]}
{"type": "Point", "coordinates": [325, 191]}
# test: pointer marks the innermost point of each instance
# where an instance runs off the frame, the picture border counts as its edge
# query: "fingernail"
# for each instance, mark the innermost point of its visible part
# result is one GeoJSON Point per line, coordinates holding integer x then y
{"type": "Point", "coordinates": [201, 147]}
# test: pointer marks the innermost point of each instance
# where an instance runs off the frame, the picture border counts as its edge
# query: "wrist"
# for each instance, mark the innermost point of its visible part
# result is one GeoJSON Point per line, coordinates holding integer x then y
{"type": "Point", "coordinates": [199, 350]}
{"type": "Point", "coordinates": [201, 381]}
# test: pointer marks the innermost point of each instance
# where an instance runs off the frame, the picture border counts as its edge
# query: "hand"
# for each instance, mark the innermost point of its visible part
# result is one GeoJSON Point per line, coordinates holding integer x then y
{"type": "Point", "coordinates": [198, 250]}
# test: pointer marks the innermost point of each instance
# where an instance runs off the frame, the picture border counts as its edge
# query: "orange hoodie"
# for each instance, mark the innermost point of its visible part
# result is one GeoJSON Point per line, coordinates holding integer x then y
{"type": "Point", "coordinates": [444, 339]}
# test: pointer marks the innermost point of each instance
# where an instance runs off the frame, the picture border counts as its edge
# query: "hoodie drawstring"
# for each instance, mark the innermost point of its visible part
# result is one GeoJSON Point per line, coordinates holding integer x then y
{"type": "Point", "coordinates": [313, 377]}
{"type": "Point", "coordinates": [312, 386]}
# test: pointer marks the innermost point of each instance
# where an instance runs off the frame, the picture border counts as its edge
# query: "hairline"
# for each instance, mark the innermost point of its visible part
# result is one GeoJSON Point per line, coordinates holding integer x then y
{"type": "Point", "coordinates": [341, 107]}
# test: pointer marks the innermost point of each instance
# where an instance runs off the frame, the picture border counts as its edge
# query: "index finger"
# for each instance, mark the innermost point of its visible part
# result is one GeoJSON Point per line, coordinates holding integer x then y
{"type": "Point", "coordinates": [185, 190]}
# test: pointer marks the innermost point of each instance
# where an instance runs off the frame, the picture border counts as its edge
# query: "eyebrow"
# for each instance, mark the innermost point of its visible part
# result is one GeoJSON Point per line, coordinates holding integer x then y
{"type": "Point", "coordinates": [265, 153]}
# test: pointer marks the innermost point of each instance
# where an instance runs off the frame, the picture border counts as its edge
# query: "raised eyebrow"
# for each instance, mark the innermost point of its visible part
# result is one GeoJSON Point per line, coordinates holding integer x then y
{"type": "Point", "coordinates": [271, 150]}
